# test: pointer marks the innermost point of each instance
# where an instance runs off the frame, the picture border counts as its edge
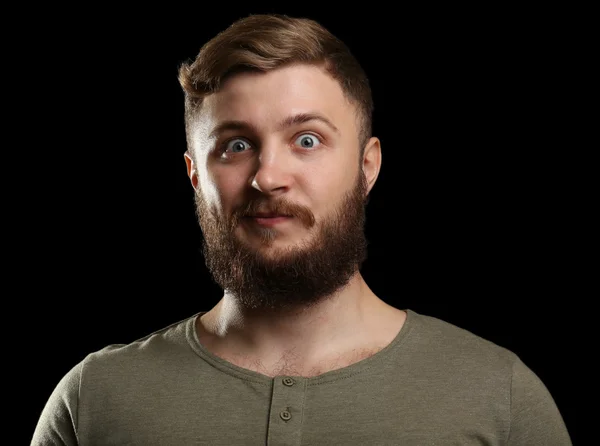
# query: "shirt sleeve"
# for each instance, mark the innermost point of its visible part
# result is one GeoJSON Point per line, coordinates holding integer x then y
{"type": "Point", "coordinates": [57, 425]}
{"type": "Point", "coordinates": [535, 418]}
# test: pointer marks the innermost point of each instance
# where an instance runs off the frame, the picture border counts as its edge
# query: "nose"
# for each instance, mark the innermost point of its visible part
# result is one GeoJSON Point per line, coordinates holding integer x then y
{"type": "Point", "coordinates": [273, 173]}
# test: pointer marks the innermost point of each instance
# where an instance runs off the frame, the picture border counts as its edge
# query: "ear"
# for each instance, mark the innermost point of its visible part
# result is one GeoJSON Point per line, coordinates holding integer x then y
{"type": "Point", "coordinates": [191, 169]}
{"type": "Point", "coordinates": [371, 162]}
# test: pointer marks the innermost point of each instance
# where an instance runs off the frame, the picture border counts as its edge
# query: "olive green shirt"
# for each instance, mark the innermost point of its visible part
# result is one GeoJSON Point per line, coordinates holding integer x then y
{"type": "Point", "coordinates": [434, 384]}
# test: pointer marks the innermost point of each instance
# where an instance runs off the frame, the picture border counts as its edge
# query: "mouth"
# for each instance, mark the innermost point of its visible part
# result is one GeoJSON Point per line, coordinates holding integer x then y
{"type": "Point", "coordinates": [264, 219]}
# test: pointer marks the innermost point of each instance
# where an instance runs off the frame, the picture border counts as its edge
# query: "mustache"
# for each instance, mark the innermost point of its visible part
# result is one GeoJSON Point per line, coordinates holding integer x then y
{"type": "Point", "coordinates": [279, 207]}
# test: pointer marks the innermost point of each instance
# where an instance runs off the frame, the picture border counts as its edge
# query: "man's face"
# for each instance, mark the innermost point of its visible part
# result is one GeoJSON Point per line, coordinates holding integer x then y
{"type": "Point", "coordinates": [282, 143]}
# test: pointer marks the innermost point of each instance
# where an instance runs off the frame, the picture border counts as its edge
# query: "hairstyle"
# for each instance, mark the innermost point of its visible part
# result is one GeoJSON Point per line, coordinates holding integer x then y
{"type": "Point", "coordinates": [266, 42]}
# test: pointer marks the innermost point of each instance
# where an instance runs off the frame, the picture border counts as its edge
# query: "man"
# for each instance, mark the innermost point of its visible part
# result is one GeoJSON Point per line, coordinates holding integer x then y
{"type": "Point", "coordinates": [299, 350]}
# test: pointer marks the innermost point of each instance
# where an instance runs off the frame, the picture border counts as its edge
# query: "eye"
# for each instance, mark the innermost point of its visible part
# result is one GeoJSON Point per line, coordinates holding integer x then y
{"type": "Point", "coordinates": [236, 145]}
{"type": "Point", "coordinates": [307, 141]}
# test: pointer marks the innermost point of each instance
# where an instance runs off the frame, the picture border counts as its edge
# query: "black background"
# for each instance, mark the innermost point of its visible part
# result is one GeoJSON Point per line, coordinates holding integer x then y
{"type": "Point", "coordinates": [470, 220]}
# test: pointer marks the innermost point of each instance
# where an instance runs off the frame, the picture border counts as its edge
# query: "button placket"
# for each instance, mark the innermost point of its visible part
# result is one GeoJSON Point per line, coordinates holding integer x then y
{"type": "Point", "coordinates": [285, 421]}
{"type": "Point", "coordinates": [285, 414]}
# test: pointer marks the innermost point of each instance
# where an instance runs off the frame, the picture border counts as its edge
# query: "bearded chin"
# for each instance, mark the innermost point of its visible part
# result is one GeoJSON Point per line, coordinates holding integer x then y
{"type": "Point", "coordinates": [296, 277]}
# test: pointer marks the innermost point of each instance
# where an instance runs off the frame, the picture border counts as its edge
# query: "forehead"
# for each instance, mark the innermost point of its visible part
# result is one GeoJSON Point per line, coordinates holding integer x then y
{"type": "Point", "coordinates": [263, 99]}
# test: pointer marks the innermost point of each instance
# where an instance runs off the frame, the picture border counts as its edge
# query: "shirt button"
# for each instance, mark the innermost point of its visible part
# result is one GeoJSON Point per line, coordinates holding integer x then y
{"type": "Point", "coordinates": [288, 381]}
{"type": "Point", "coordinates": [285, 415]}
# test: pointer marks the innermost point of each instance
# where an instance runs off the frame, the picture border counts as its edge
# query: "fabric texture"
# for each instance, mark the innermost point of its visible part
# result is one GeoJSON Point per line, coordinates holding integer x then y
{"type": "Point", "coordinates": [434, 384]}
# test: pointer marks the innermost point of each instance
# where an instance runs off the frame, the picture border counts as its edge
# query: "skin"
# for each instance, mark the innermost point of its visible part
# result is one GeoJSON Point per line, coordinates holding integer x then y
{"type": "Point", "coordinates": [307, 170]}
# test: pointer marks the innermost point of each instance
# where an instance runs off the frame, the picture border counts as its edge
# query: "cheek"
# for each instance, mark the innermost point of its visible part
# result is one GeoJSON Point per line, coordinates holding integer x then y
{"type": "Point", "coordinates": [209, 186]}
{"type": "Point", "coordinates": [336, 174]}
{"type": "Point", "coordinates": [227, 188]}
{"type": "Point", "coordinates": [328, 187]}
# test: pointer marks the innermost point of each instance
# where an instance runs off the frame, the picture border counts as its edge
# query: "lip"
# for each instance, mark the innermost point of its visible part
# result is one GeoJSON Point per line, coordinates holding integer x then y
{"type": "Point", "coordinates": [270, 221]}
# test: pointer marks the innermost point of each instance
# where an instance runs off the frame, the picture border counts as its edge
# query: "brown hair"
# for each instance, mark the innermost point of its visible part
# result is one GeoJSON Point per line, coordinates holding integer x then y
{"type": "Point", "coordinates": [266, 42]}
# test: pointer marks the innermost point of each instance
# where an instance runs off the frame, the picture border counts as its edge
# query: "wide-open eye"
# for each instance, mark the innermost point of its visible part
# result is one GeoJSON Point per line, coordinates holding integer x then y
{"type": "Point", "coordinates": [236, 145]}
{"type": "Point", "coordinates": [307, 141]}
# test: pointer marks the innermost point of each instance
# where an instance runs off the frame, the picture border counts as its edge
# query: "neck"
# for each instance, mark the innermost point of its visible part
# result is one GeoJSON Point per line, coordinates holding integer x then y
{"type": "Point", "coordinates": [339, 321]}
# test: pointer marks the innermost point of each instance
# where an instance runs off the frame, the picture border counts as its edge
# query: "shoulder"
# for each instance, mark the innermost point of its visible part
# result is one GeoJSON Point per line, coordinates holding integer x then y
{"type": "Point", "coordinates": [535, 417]}
{"type": "Point", "coordinates": [58, 421]}
{"type": "Point", "coordinates": [455, 345]}
{"type": "Point", "coordinates": [478, 369]}
{"type": "Point", "coordinates": [443, 352]}
{"type": "Point", "coordinates": [121, 365]}
{"type": "Point", "coordinates": [107, 378]}
{"type": "Point", "coordinates": [156, 348]}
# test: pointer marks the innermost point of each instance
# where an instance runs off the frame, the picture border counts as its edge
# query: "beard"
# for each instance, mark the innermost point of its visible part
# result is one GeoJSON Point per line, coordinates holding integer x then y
{"type": "Point", "coordinates": [293, 278]}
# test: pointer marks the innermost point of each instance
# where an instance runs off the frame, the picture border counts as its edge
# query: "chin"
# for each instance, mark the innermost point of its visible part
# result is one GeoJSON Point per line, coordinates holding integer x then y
{"type": "Point", "coordinates": [270, 237]}
{"type": "Point", "coordinates": [280, 246]}
{"type": "Point", "coordinates": [277, 247]}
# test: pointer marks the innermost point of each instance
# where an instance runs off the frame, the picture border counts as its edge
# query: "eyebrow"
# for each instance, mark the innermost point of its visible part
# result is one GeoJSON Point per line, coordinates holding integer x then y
{"type": "Point", "coordinates": [290, 121]}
